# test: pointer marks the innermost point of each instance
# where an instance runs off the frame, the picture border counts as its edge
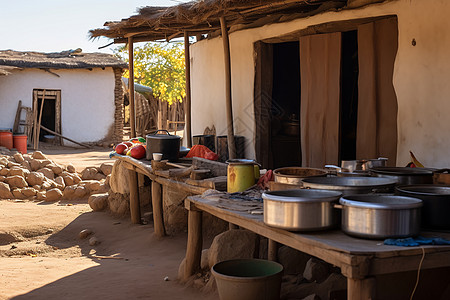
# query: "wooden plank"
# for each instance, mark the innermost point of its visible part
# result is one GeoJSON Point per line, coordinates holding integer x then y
{"type": "Point", "coordinates": [35, 107]}
{"type": "Point", "coordinates": [181, 186]}
{"type": "Point", "coordinates": [17, 118]}
{"type": "Point", "coordinates": [361, 289]}
{"type": "Point", "coordinates": [158, 219]}
{"type": "Point", "coordinates": [200, 174]}
{"type": "Point", "coordinates": [218, 183]}
{"type": "Point", "coordinates": [217, 168]}
{"type": "Point", "coordinates": [38, 126]}
{"type": "Point", "coordinates": [135, 209]}
{"type": "Point", "coordinates": [131, 87]}
{"type": "Point", "coordinates": [60, 135]}
{"type": "Point", "coordinates": [187, 104]}
{"type": "Point", "coordinates": [272, 250]}
{"type": "Point", "coordinates": [194, 244]}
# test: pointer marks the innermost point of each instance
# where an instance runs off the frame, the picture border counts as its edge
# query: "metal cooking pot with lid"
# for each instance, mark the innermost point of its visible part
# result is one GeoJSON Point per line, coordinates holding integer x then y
{"type": "Point", "coordinates": [301, 210]}
{"type": "Point", "coordinates": [405, 175]}
{"type": "Point", "coordinates": [380, 216]}
{"type": "Point", "coordinates": [351, 185]}
{"type": "Point", "coordinates": [167, 144]}
{"type": "Point", "coordinates": [294, 175]}
{"type": "Point", "coordinates": [436, 203]}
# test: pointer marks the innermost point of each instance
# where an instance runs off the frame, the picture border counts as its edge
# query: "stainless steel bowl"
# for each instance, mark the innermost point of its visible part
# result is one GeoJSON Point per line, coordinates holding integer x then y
{"type": "Point", "coordinates": [294, 175]}
{"type": "Point", "coordinates": [301, 210]}
{"type": "Point", "coordinates": [380, 216]}
{"type": "Point", "coordinates": [351, 185]}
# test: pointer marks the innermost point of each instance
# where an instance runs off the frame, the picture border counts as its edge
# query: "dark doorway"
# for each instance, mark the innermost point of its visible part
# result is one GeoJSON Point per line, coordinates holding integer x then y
{"type": "Point", "coordinates": [51, 113]}
{"type": "Point", "coordinates": [285, 109]}
{"type": "Point", "coordinates": [48, 119]}
{"type": "Point", "coordinates": [349, 95]}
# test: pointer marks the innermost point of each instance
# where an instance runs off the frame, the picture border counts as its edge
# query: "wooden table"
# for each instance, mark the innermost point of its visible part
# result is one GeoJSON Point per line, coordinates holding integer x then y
{"type": "Point", "coordinates": [359, 260]}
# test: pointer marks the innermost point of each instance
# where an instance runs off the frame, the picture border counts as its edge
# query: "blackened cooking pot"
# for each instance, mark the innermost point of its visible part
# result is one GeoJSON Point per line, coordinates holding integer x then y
{"type": "Point", "coordinates": [167, 144]}
{"type": "Point", "coordinates": [404, 175]}
{"type": "Point", "coordinates": [436, 203]}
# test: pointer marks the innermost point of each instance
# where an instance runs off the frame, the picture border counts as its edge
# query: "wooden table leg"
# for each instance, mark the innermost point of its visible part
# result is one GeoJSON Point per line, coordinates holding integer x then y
{"type": "Point", "coordinates": [272, 251]}
{"type": "Point", "coordinates": [361, 289]}
{"type": "Point", "coordinates": [194, 243]}
{"type": "Point", "coordinates": [135, 208]}
{"type": "Point", "coordinates": [158, 219]}
{"type": "Point", "coordinates": [232, 226]}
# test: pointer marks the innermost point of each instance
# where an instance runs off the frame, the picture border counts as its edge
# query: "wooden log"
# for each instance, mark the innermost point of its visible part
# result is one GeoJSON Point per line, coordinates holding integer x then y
{"type": "Point", "coordinates": [131, 87]}
{"type": "Point", "coordinates": [17, 118]}
{"type": "Point", "coordinates": [38, 126]}
{"type": "Point", "coordinates": [200, 174]}
{"type": "Point", "coordinates": [272, 251]}
{"type": "Point", "coordinates": [135, 209]}
{"type": "Point", "coordinates": [229, 102]}
{"type": "Point", "coordinates": [194, 243]}
{"type": "Point", "coordinates": [158, 219]}
{"type": "Point", "coordinates": [179, 173]}
{"type": "Point", "coordinates": [217, 168]}
{"type": "Point", "coordinates": [361, 289]}
{"type": "Point", "coordinates": [60, 135]}
{"type": "Point", "coordinates": [218, 183]}
{"type": "Point", "coordinates": [187, 104]}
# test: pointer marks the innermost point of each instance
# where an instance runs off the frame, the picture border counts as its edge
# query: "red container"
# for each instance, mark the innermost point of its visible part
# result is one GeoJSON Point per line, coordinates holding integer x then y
{"type": "Point", "coordinates": [6, 139]}
{"type": "Point", "coordinates": [20, 143]}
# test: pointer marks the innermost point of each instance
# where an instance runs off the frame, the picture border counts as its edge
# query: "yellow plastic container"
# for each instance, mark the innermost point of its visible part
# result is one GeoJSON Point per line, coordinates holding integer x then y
{"type": "Point", "coordinates": [241, 174]}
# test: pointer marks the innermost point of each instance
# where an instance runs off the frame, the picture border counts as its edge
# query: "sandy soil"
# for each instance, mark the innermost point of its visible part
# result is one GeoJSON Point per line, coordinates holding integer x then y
{"type": "Point", "coordinates": [42, 256]}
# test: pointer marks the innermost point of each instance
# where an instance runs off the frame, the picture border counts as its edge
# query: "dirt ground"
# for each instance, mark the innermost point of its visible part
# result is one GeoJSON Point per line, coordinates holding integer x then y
{"type": "Point", "coordinates": [42, 256]}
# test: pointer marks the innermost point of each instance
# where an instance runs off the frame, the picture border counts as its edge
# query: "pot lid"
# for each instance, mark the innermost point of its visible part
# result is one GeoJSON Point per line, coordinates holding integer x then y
{"type": "Point", "coordinates": [396, 171]}
{"type": "Point", "coordinates": [348, 182]}
{"type": "Point", "coordinates": [425, 189]}
{"type": "Point", "coordinates": [165, 135]}
{"type": "Point", "coordinates": [302, 195]}
{"type": "Point", "coordinates": [241, 161]}
{"type": "Point", "coordinates": [381, 201]}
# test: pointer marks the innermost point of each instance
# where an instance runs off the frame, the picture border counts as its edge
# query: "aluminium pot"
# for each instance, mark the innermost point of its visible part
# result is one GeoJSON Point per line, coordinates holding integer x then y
{"type": "Point", "coordinates": [351, 185]}
{"type": "Point", "coordinates": [380, 216]}
{"type": "Point", "coordinates": [301, 210]}
{"type": "Point", "coordinates": [436, 203]}
{"type": "Point", "coordinates": [294, 175]}
{"type": "Point", "coordinates": [167, 144]}
{"type": "Point", "coordinates": [405, 175]}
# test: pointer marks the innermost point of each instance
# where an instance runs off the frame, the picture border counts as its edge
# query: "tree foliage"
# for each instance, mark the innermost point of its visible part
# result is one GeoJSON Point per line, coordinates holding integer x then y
{"type": "Point", "coordinates": [159, 66]}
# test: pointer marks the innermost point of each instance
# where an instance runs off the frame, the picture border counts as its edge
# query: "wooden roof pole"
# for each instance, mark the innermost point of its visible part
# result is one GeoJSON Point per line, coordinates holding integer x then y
{"type": "Point", "coordinates": [187, 104]}
{"type": "Point", "coordinates": [229, 103]}
{"type": "Point", "coordinates": [131, 87]}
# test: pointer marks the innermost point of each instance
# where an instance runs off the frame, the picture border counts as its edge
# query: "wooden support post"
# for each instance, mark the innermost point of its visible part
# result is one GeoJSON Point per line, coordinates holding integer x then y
{"type": "Point", "coordinates": [232, 226]}
{"type": "Point", "coordinates": [37, 127]}
{"type": "Point", "coordinates": [131, 87]}
{"type": "Point", "coordinates": [272, 251]}
{"type": "Point", "coordinates": [194, 243]}
{"type": "Point", "coordinates": [187, 107]}
{"type": "Point", "coordinates": [229, 104]}
{"type": "Point", "coordinates": [135, 208]}
{"type": "Point", "coordinates": [158, 219]}
{"type": "Point", "coordinates": [361, 289]}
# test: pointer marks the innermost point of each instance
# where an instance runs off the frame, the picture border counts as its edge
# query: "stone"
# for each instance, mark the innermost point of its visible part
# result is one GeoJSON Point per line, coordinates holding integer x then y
{"type": "Point", "coordinates": [98, 202]}
{"type": "Point", "coordinates": [16, 181]}
{"type": "Point", "coordinates": [85, 233]}
{"type": "Point", "coordinates": [41, 195]}
{"type": "Point", "coordinates": [80, 192]}
{"type": "Point", "coordinates": [68, 178]}
{"type": "Point", "coordinates": [4, 171]}
{"type": "Point", "coordinates": [316, 270]}
{"type": "Point", "coordinates": [17, 194]}
{"type": "Point", "coordinates": [106, 168]}
{"type": "Point", "coordinates": [93, 241]}
{"type": "Point", "coordinates": [4, 161]}
{"type": "Point", "coordinates": [47, 173]}
{"type": "Point", "coordinates": [35, 164]}
{"type": "Point", "coordinates": [293, 261]}
{"type": "Point", "coordinates": [119, 178]}
{"type": "Point", "coordinates": [29, 192]}
{"type": "Point", "coordinates": [18, 171]}
{"type": "Point", "coordinates": [76, 178]}
{"type": "Point", "coordinates": [60, 181]}
{"type": "Point", "coordinates": [56, 169]}
{"type": "Point", "coordinates": [119, 204]}
{"type": "Point", "coordinates": [69, 192]}
{"type": "Point", "coordinates": [19, 158]}
{"type": "Point", "coordinates": [5, 191]}
{"type": "Point", "coordinates": [35, 178]}
{"type": "Point", "coordinates": [26, 165]}
{"type": "Point", "coordinates": [54, 195]}
{"type": "Point", "coordinates": [99, 176]}
{"type": "Point", "coordinates": [38, 155]}
{"type": "Point", "coordinates": [232, 244]}
{"type": "Point", "coordinates": [107, 179]}
{"type": "Point", "coordinates": [13, 164]}
{"type": "Point", "coordinates": [103, 188]}
{"type": "Point", "coordinates": [37, 187]}
{"type": "Point", "coordinates": [45, 163]}
{"type": "Point", "coordinates": [70, 168]}
{"type": "Point", "coordinates": [204, 262]}
{"type": "Point", "coordinates": [2, 178]}
{"type": "Point", "coordinates": [89, 173]}
{"type": "Point", "coordinates": [46, 185]}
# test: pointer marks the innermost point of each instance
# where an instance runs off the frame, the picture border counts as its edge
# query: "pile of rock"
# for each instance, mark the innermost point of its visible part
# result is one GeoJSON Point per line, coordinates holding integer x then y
{"type": "Point", "coordinates": [35, 176]}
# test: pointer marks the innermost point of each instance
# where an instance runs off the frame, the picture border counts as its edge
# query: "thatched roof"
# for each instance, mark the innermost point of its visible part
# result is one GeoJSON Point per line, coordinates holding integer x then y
{"type": "Point", "coordinates": [71, 59]}
{"type": "Point", "coordinates": [203, 17]}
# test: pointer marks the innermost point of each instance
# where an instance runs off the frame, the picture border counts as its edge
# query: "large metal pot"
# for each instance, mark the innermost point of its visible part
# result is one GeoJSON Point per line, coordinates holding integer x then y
{"type": "Point", "coordinates": [294, 175]}
{"type": "Point", "coordinates": [351, 185]}
{"type": "Point", "coordinates": [436, 203]}
{"type": "Point", "coordinates": [403, 175]}
{"type": "Point", "coordinates": [167, 144]}
{"type": "Point", "coordinates": [301, 210]}
{"type": "Point", "coordinates": [380, 216]}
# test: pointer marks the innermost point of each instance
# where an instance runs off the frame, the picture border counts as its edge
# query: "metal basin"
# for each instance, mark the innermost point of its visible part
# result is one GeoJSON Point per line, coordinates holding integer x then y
{"type": "Point", "coordinates": [404, 175]}
{"type": "Point", "coordinates": [436, 203]}
{"type": "Point", "coordinates": [294, 175]}
{"type": "Point", "coordinates": [301, 210]}
{"type": "Point", "coordinates": [380, 216]}
{"type": "Point", "coordinates": [351, 185]}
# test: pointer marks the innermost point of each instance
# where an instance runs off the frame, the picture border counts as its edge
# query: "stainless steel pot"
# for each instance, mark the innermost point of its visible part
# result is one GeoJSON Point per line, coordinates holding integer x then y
{"type": "Point", "coordinates": [301, 210]}
{"type": "Point", "coordinates": [404, 176]}
{"type": "Point", "coordinates": [167, 144]}
{"type": "Point", "coordinates": [380, 216]}
{"type": "Point", "coordinates": [351, 185]}
{"type": "Point", "coordinates": [294, 175]}
{"type": "Point", "coordinates": [436, 203]}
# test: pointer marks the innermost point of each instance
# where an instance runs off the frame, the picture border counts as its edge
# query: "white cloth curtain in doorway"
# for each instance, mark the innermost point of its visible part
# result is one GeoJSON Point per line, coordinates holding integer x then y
{"type": "Point", "coordinates": [320, 59]}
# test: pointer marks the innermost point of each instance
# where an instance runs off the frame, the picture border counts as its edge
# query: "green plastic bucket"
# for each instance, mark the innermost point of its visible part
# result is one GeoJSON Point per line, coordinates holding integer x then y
{"type": "Point", "coordinates": [248, 279]}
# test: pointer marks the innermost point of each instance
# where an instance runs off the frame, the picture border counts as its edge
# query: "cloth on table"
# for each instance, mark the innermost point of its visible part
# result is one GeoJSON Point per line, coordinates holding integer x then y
{"type": "Point", "coordinates": [417, 241]}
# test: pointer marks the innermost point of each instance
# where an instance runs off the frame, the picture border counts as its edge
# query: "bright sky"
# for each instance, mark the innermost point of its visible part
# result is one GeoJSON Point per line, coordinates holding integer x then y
{"type": "Point", "coordinates": [57, 25]}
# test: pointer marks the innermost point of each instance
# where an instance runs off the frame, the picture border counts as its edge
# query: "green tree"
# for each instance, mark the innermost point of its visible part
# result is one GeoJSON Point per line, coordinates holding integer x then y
{"type": "Point", "coordinates": [159, 66]}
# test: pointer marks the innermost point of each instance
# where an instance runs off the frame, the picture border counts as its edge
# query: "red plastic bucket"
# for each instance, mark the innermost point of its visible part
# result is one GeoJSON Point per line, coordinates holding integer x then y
{"type": "Point", "coordinates": [6, 139]}
{"type": "Point", "coordinates": [20, 143]}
